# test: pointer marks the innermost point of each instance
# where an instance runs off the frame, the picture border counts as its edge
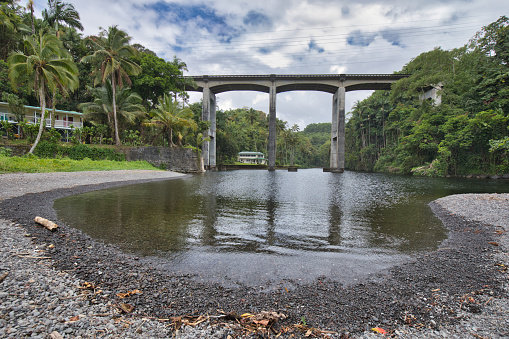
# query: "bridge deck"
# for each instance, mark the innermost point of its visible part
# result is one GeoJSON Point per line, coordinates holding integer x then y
{"type": "Point", "coordinates": [294, 82]}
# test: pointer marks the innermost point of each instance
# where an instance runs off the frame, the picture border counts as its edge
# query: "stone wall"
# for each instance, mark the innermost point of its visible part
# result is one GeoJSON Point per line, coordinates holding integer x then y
{"type": "Point", "coordinates": [177, 159]}
{"type": "Point", "coordinates": [17, 150]}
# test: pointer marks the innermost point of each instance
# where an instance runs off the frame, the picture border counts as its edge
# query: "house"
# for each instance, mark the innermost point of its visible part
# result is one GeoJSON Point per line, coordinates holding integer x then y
{"type": "Point", "coordinates": [63, 120]}
{"type": "Point", "coordinates": [251, 158]}
{"type": "Point", "coordinates": [432, 92]}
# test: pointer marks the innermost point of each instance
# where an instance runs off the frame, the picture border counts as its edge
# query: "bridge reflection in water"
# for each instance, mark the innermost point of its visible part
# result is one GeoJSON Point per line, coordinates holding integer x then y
{"type": "Point", "coordinates": [254, 226]}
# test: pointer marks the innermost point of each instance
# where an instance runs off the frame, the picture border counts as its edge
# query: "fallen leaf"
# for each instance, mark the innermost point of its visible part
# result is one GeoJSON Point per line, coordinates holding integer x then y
{"type": "Point", "coordinates": [263, 322]}
{"type": "Point", "coordinates": [128, 294]}
{"type": "Point", "coordinates": [126, 307]}
{"type": "Point", "coordinates": [493, 243]}
{"type": "Point", "coordinates": [87, 285]}
{"type": "Point", "coordinates": [76, 318]}
{"type": "Point", "coordinates": [379, 330]}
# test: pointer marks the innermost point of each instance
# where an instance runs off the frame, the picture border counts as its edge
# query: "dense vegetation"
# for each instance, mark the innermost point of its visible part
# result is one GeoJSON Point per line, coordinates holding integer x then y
{"type": "Point", "coordinates": [467, 133]}
{"type": "Point", "coordinates": [120, 87]}
{"type": "Point", "coordinates": [246, 129]}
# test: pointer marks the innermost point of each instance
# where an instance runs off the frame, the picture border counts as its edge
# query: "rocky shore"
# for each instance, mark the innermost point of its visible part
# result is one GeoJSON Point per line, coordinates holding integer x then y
{"type": "Point", "coordinates": [65, 284]}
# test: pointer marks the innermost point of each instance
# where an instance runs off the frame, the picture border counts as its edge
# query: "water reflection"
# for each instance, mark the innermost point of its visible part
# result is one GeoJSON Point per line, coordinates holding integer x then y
{"type": "Point", "coordinates": [307, 223]}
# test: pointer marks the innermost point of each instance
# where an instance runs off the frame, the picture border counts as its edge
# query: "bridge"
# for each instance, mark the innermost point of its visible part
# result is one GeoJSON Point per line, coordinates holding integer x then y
{"type": "Point", "coordinates": [335, 84]}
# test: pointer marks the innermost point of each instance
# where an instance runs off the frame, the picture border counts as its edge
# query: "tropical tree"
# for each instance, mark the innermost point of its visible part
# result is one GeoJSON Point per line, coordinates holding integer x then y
{"type": "Point", "coordinates": [47, 67]}
{"type": "Point", "coordinates": [158, 77]}
{"type": "Point", "coordinates": [30, 7]}
{"type": "Point", "coordinates": [110, 55]}
{"type": "Point", "coordinates": [100, 111]}
{"type": "Point", "coordinates": [11, 24]}
{"type": "Point", "coordinates": [61, 13]}
{"type": "Point", "coordinates": [170, 116]}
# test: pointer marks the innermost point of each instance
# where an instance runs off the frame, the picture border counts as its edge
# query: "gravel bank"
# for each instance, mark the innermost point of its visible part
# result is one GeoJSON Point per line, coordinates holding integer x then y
{"type": "Point", "coordinates": [457, 291]}
{"type": "Point", "coordinates": [18, 184]}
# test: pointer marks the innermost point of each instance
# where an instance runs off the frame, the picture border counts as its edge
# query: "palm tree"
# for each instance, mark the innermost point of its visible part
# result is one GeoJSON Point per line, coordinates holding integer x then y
{"type": "Point", "coordinates": [252, 115]}
{"type": "Point", "coordinates": [171, 116]}
{"type": "Point", "coordinates": [61, 12]}
{"type": "Point", "coordinates": [47, 67]}
{"type": "Point", "coordinates": [30, 6]}
{"type": "Point", "coordinates": [111, 53]}
{"type": "Point", "coordinates": [129, 105]}
{"type": "Point", "coordinates": [11, 25]}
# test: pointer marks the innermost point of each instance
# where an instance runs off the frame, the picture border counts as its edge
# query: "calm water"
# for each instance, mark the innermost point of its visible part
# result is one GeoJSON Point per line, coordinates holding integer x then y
{"type": "Point", "coordinates": [256, 227]}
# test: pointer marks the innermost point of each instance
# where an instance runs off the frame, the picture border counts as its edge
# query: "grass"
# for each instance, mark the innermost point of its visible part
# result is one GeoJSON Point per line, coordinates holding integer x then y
{"type": "Point", "coordinates": [32, 164]}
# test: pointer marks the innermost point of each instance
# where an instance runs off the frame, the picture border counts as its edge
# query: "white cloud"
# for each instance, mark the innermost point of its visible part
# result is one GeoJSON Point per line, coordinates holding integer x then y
{"type": "Point", "coordinates": [336, 69]}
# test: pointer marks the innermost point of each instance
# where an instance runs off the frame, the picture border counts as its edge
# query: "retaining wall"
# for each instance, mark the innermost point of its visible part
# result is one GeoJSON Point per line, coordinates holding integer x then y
{"type": "Point", "coordinates": [177, 159]}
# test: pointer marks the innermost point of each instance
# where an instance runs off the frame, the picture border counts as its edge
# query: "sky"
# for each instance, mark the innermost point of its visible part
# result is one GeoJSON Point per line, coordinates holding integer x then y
{"type": "Point", "coordinates": [226, 37]}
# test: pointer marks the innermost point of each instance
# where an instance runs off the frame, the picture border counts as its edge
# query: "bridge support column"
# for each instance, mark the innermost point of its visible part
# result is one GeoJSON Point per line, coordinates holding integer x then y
{"type": "Point", "coordinates": [337, 152]}
{"type": "Point", "coordinates": [272, 125]}
{"type": "Point", "coordinates": [209, 114]}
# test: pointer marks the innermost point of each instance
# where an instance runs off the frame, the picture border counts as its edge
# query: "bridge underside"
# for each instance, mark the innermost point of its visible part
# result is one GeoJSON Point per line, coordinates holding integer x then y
{"type": "Point", "coordinates": [336, 84]}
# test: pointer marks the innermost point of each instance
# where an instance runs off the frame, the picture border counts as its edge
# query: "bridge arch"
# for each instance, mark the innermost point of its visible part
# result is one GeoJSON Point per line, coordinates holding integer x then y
{"type": "Point", "coordinates": [335, 84]}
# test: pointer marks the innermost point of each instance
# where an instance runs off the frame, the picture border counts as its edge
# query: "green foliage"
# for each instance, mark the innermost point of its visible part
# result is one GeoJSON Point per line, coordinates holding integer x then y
{"type": "Point", "coordinates": [81, 134]}
{"type": "Point", "coordinates": [47, 149]}
{"type": "Point", "coordinates": [131, 138]}
{"type": "Point", "coordinates": [29, 130]}
{"type": "Point", "coordinates": [52, 136]}
{"type": "Point", "coordinates": [466, 134]}
{"type": "Point", "coordinates": [100, 110]}
{"type": "Point", "coordinates": [48, 68]}
{"type": "Point", "coordinates": [246, 129]}
{"type": "Point", "coordinates": [501, 145]}
{"type": "Point", "coordinates": [110, 54]}
{"type": "Point", "coordinates": [158, 77]}
{"type": "Point", "coordinates": [7, 128]}
{"type": "Point", "coordinates": [171, 118]}
{"type": "Point", "coordinates": [5, 152]}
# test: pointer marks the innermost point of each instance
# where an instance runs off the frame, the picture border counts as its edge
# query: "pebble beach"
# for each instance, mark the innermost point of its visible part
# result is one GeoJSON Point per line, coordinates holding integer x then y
{"type": "Point", "coordinates": [64, 284]}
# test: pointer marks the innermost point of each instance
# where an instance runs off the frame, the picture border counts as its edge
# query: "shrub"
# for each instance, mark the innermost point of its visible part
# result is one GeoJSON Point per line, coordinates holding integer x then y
{"type": "Point", "coordinates": [5, 152]}
{"type": "Point", "coordinates": [46, 149]}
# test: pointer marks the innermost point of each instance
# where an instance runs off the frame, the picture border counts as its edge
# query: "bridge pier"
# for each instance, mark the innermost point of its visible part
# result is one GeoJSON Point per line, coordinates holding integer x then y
{"type": "Point", "coordinates": [209, 114]}
{"type": "Point", "coordinates": [272, 125]}
{"type": "Point", "coordinates": [337, 152]}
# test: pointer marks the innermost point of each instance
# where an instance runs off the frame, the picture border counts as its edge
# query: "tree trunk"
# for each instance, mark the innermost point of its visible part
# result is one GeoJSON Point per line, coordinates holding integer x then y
{"type": "Point", "coordinates": [53, 110]}
{"type": "Point", "coordinates": [170, 142]}
{"type": "Point", "coordinates": [32, 17]}
{"type": "Point", "coordinates": [113, 87]}
{"type": "Point", "coordinates": [42, 100]}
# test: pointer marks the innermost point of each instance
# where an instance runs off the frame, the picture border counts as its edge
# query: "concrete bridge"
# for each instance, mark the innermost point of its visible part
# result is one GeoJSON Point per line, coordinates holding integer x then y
{"type": "Point", "coordinates": [336, 84]}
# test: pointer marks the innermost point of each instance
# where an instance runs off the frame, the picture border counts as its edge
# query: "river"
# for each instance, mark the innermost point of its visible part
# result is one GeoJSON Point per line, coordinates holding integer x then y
{"type": "Point", "coordinates": [256, 227]}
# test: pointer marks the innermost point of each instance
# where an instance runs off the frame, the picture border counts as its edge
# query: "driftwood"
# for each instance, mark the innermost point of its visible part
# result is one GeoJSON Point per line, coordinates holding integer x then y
{"type": "Point", "coordinates": [46, 223]}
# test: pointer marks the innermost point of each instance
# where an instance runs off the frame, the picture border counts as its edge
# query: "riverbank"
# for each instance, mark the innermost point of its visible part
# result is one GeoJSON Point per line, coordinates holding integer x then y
{"type": "Point", "coordinates": [53, 279]}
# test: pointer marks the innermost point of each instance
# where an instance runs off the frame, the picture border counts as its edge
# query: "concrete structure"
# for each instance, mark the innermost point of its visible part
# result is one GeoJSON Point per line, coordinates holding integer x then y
{"type": "Point", "coordinates": [251, 158]}
{"type": "Point", "coordinates": [432, 93]}
{"type": "Point", "coordinates": [336, 84]}
{"type": "Point", "coordinates": [179, 159]}
{"type": "Point", "coordinates": [63, 120]}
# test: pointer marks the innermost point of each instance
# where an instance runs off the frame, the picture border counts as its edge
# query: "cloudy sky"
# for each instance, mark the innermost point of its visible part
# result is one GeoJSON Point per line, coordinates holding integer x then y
{"type": "Point", "coordinates": [222, 37]}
